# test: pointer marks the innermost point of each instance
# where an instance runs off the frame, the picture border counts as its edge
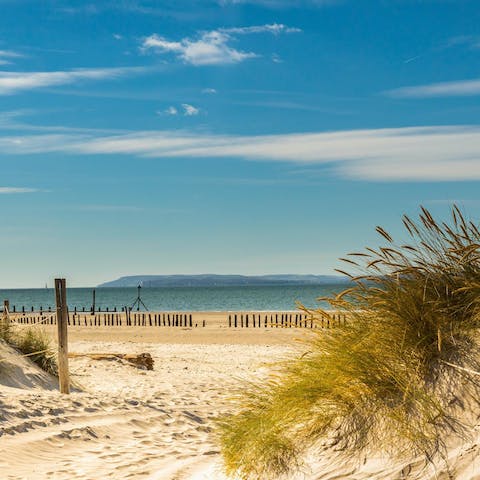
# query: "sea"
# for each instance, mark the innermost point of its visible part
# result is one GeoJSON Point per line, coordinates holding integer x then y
{"type": "Point", "coordinates": [218, 298]}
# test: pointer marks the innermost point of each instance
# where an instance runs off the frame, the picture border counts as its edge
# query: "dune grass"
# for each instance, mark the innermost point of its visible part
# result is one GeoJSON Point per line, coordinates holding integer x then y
{"type": "Point", "coordinates": [36, 344]}
{"type": "Point", "coordinates": [31, 342]}
{"type": "Point", "coordinates": [386, 380]}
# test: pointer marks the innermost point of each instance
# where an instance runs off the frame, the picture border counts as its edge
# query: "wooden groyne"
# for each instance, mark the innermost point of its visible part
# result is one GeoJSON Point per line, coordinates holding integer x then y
{"type": "Point", "coordinates": [183, 319]}
{"type": "Point", "coordinates": [284, 320]}
{"type": "Point", "coordinates": [104, 319]}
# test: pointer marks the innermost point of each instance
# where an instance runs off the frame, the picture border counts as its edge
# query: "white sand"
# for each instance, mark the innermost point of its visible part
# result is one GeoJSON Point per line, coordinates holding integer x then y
{"type": "Point", "coordinates": [127, 423]}
{"type": "Point", "coordinates": [134, 424]}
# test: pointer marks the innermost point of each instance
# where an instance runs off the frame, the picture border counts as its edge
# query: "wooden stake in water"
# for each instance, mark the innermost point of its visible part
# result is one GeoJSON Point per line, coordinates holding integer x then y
{"type": "Point", "coordinates": [62, 322]}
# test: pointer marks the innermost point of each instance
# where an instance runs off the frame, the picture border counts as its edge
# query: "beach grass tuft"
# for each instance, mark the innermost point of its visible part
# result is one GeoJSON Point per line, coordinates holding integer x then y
{"type": "Point", "coordinates": [35, 344]}
{"type": "Point", "coordinates": [387, 380]}
{"type": "Point", "coordinates": [32, 342]}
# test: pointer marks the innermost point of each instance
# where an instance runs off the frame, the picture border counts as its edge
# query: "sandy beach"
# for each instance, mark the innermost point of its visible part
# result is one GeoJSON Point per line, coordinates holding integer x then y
{"type": "Point", "coordinates": [127, 423]}
{"type": "Point", "coordinates": [124, 422]}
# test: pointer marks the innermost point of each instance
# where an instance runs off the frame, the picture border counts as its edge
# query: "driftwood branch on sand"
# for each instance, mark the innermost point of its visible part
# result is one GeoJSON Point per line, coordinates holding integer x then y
{"type": "Point", "coordinates": [140, 360]}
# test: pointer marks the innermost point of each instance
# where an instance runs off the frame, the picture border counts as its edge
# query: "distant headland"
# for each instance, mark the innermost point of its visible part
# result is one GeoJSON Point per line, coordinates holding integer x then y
{"type": "Point", "coordinates": [211, 280]}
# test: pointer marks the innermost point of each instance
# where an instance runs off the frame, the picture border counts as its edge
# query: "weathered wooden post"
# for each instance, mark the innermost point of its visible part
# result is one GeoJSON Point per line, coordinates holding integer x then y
{"type": "Point", "coordinates": [93, 301]}
{"type": "Point", "coordinates": [62, 322]}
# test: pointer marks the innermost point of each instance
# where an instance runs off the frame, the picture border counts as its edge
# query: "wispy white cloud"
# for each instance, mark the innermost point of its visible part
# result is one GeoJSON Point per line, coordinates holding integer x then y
{"type": "Point", "coordinates": [171, 110]}
{"type": "Point", "coordinates": [190, 110]}
{"type": "Point", "coordinates": [443, 89]}
{"type": "Point", "coordinates": [210, 49]}
{"type": "Point", "coordinates": [464, 42]}
{"type": "Point", "coordinates": [6, 56]}
{"type": "Point", "coordinates": [14, 82]}
{"type": "Point", "coordinates": [15, 120]}
{"type": "Point", "coordinates": [213, 47]}
{"type": "Point", "coordinates": [209, 91]}
{"type": "Point", "coordinates": [470, 41]}
{"type": "Point", "coordinates": [13, 190]}
{"type": "Point", "coordinates": [275, 28]}
{"type": "Point", "coordinates": [449, 153]}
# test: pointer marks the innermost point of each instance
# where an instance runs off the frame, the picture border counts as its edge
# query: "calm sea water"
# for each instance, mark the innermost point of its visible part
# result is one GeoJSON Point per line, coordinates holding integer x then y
{"type": "Point", "coordinates": [179, 298]}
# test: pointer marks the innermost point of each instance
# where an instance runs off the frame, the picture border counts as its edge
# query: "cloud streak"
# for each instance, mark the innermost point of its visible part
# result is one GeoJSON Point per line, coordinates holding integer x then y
{"type": "Point", "coordinates": [6, 56]}
{"type": "Point", "coordinates": [274, 28]}
{"type": "Point", "coordinates": [15, 82]}
{"type": "Point", "coordinates": [448, 153]}
{"type": "Point", "coordinates": [444, 89]}
{"type": "Point", "coordinates": [14, 190]}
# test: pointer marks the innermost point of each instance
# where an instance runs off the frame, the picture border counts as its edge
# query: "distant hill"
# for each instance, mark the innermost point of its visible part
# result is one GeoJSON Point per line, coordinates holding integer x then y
{"type": "Point", "coordinates": [210, 280]}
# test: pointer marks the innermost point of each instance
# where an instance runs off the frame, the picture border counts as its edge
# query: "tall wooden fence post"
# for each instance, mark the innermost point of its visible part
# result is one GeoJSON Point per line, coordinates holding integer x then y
{"type": "Point", "coordinates": [62, 323]}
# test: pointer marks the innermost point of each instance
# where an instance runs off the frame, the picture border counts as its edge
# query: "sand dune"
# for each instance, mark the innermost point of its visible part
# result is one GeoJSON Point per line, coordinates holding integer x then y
{"type": "Point", "coordinates": [127, 423]}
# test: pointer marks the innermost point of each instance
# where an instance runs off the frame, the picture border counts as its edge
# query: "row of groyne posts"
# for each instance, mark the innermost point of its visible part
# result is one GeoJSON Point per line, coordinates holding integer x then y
{"type": "Point", "coordinates": [285, 320]}
{"type": "Point", "coordinates": [172, 319]}
{"type": "Point", "coordinates": [104, 319]}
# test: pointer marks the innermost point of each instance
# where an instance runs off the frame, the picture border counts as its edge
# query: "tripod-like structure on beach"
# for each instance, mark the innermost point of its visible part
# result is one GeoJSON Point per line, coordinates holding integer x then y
{"type": "Point", "coordinates": [138, 301]}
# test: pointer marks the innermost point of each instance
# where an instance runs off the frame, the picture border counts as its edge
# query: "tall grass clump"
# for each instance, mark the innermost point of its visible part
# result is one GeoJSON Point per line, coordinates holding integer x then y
{"type": "Point", "coordinates": [391, 379]}
{"type": "Point", "coordinates": [36, 345]}
{"type": "Point", "coordinates": [32, 343]}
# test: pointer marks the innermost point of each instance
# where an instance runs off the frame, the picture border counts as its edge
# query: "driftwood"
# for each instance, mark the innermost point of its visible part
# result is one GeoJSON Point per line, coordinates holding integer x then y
{"type": "Point", "coordinates": [141, 360]}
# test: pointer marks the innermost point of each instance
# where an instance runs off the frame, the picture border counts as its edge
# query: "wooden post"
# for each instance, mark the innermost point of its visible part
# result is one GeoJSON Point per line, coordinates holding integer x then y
{"type": "Point", "coordinates": [93, 301]}
{"type": "Point", "coordinates": [62, 321]}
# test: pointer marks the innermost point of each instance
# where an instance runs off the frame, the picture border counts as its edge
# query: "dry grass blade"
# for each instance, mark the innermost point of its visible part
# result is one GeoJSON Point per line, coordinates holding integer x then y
{"type": "Point", "coordinates": [384, 234]}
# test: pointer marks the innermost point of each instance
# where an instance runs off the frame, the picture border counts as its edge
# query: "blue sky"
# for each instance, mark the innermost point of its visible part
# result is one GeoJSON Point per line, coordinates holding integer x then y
{"type": "Point", "coordinates": [159, 137]}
